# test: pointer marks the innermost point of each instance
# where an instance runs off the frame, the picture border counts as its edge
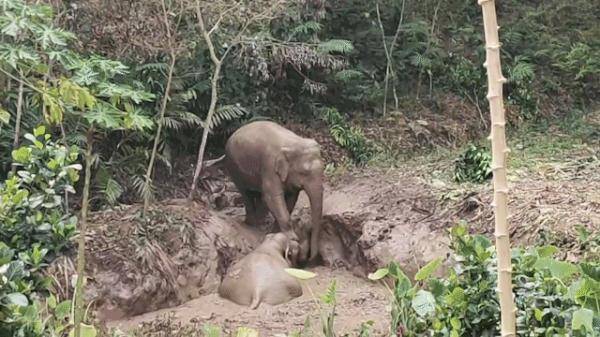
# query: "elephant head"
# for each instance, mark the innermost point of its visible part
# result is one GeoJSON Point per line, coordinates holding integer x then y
{"type": "Point", "coordinates": [280, 243]}
{"type": "Point", "coordinates": [301, 167]}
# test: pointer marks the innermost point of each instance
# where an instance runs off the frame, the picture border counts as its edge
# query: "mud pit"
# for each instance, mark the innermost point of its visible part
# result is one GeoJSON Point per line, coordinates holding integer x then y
{"type": "Point", "coordinates": [174, 262]}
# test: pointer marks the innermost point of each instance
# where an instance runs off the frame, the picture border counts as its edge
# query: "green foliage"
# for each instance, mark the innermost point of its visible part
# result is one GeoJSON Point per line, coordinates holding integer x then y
{"type": "Point", "coordinates": [553, 298]}
{"type": "Point", "coordinates": [35, 227]}
{"type": "Point", "coordinates": [33, 206]}
{"type": "Point", "coordinates": [473, 165]}
{"type": "Point", "coordinates": [22, 313]}
{"type": "Point", "coordinates": [328, 317]}
{"type": "Point", "coordinates": [521, 91]}
{"type": "Point", "coordinates": [411, 307]}
{"type": "Point", "coordinates": [79, 92]}
{"type": "Point", "coordinates": [350, 138]}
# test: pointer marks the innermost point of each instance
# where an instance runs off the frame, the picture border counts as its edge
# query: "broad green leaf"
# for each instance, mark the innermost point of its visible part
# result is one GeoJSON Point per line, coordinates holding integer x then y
{"type": "Point", "coordinates": [424, 303]}
{"type": "Point", "coordinates": [559, 269]}
{"type": "Point", "coordinates": [430, 268]}
{"type": "Point", "coordinates": [22, 155]}
{"type": "Point", "coordinates": [17, 299]}
{"type": "Point", "coordinates": [246, 332]}
{"type": "Point", "coordinates": [455, 323]}
{"type": "Point", "coordinates": [63, 309]}
{"type": "Point", "coordinates": [456, 297]}
{"type": "Point", "coordinates": [4, 116]}
{"type": "Point", "coordinates": [403, 283]}
{"type": "Point", "coordinates": [547, 251]}
{"type": "Point", "coordinates": [379, 274]}
{"type": "Point", "coordinates": [583, 318]}
{"type": "Point", "coordinates": [300, 274]}
{"type": "Point", "coordinates": [51, 301]}
{"type": "Point", "coordinates": [436, 287]}
{"type": "Point", "coordinates": [40, 130]}
{"type": "Point", "coordinates": [86, 331]}
{"type": "Point", "coordinates": [592, 271]}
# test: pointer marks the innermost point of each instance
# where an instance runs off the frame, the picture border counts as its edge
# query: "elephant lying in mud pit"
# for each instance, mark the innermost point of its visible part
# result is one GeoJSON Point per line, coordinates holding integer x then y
{"type": "Point", "coordinates": [267, 160]}
{"type": "Point", "coordinates": [259, 277]}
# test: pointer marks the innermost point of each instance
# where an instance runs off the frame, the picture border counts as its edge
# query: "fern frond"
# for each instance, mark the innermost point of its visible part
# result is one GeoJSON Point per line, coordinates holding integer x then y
{"type": "Point", "coordinates": [144, 190]}
{"type": "Point", "coordinates": [348, 75]}
{"type": "Point", "coordinates": [336, 46]}
{"type": "Point", "coordinates": [307, 28]}
{"type": "Point", "coordinates": [112, 191]}
{"type": "Point", "coordinates": [226, 113]}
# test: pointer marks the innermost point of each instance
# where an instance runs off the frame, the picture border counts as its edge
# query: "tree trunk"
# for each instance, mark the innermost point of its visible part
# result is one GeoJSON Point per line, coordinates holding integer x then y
{"type": "Point", "coordinates": [217, 62]}
{"type": "Point", "coordinates": [13, 169]}
{"type": "Point", "coordinates": [499, 154]}
{"type": "Point", "coordinates": [211, 111]}
{"type": "Point", "coordinates": [79, 305]}
{"type": "Point", "coordinates": [161, 119]}
{"type": "Point", "coordinates": [163, 108]}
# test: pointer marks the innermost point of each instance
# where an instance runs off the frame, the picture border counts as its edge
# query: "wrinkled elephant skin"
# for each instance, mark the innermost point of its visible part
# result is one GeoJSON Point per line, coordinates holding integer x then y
{"type": "Point", "coordinates": [259, 277]}
{"type": "Point", "coordinates": [271, 164]}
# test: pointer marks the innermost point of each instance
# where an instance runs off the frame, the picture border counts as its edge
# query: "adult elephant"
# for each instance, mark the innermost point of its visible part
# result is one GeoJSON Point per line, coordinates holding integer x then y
{"type": "Point", "coordinates": [268, 161]}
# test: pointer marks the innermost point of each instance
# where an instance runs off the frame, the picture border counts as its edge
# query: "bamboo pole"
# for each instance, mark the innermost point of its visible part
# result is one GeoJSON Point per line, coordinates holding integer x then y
{"type": "Point", "coordinates": [499, 154]}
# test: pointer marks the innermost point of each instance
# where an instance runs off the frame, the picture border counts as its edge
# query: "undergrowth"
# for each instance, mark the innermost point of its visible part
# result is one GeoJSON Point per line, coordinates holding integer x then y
{"type": "Point", "coordinates": [36, 227]}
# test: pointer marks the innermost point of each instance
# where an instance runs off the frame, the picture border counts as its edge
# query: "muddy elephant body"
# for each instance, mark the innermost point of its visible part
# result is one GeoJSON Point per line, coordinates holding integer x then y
{"type": "Point", "coordinates": [260, 276]}
{"type": "Point", "coordinates": [271, 164]}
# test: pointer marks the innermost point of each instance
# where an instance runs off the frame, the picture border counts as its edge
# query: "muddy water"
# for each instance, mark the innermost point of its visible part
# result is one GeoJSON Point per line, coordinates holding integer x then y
{"type": "Point", "coordinates": [358, 301]}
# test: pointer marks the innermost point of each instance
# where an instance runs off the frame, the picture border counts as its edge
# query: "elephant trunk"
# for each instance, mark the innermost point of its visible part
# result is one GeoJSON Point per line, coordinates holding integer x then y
{"type": "Point", "coordinates": [315, 195]}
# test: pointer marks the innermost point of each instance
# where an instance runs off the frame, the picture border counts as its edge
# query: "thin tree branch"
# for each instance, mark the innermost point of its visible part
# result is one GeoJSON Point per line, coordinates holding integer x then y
{"type": "Point", "coordinates": [221, 17]}
{"type": "Point", "coordinates": [206, 35]}
{"type": "Point", "coordinates": [388, 58]}
{"type": "Point", "coordinates": [163, 108]}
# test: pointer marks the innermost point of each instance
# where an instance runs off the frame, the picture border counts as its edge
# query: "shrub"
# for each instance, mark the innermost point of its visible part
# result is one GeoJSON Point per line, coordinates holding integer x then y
{"type": "Point", "coordinates": [473, 165]}
{"type": "Point", "coordinates": [34, 227]}
{"type": "Point", "coordinates": [350, 138]}
{"type": "Point", "coordinates": [553, 298]}
{"type": "Point", "coordinates": [32, 207]}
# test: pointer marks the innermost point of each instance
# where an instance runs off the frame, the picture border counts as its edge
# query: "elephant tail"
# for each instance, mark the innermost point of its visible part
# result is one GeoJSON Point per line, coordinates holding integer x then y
{"type": "Point", "coordinates": [256, 299]}
{"type": "Point", "coordinates": [212, 162]}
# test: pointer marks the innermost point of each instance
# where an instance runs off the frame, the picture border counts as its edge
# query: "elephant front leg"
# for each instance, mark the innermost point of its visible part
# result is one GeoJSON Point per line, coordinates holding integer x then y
{"type": "Point", "coordinates": [276, 204]}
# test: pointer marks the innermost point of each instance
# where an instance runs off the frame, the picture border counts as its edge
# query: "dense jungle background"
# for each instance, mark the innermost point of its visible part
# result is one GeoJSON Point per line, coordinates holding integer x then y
{"type": "Point", "coordinates": [109, 107]}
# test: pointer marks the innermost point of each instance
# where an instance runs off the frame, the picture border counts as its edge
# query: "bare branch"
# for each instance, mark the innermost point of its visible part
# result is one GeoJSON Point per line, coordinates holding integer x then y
{"type": "Point", "coordinates": [221, 17]}
{"type": "Point", "coordinates": [206, 35]}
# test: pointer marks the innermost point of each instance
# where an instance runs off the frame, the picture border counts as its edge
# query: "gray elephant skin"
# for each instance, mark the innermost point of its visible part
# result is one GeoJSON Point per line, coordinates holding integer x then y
{"type": "Point", "coordinates": [269, 162]}
{"type": "Point", "coordinates": [260, 276]}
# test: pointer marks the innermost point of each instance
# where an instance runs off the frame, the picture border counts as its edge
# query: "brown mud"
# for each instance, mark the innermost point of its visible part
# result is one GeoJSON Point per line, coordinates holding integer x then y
{"type": "Point", "coordinates": [170, 265]}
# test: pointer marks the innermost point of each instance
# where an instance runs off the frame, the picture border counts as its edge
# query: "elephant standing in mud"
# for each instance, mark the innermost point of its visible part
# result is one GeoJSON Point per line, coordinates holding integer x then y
{"type": "Point", "coordinates": [260, 276]}
{"type": "Point", "coordinates": [269, 162]}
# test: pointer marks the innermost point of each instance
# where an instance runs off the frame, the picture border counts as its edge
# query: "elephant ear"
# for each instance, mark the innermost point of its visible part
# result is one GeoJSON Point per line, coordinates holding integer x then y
{"type": "Point", "coordinates": [282, 165]}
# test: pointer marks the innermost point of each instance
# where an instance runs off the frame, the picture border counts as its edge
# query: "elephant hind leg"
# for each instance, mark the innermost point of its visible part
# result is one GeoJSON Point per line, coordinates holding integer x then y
{"type": "Point", "coordinates": [250, 206]}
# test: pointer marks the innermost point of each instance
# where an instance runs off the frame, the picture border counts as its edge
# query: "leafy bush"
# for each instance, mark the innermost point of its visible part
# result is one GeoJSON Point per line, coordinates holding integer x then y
{"type": "Point", "coordinates": [34, 228]}
{"type": "Point", "coordinates": [553, 298]}
{"type": "Point", "coordinates": [32, 207]}
{"type": "Point", "coordinates": [348, 137]}
{"type": "Point", "coordinates": [473, 165]}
